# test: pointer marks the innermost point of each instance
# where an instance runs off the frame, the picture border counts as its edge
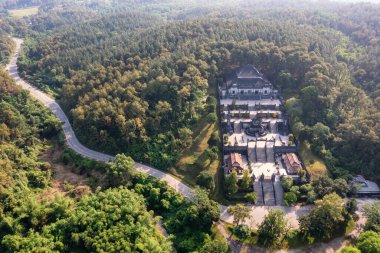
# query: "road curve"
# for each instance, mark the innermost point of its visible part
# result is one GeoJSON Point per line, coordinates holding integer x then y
{"type": "Point", "coordinates": [72, 140]}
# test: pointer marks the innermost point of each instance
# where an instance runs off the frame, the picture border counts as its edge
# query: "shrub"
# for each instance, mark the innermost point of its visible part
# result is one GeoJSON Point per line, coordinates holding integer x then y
{"type": "Point", "coordinates": [296, 190]}
{"type": "Point", "coordinates": [251, 197]}
{"type": "Point", "coordinates": [369, 242]}
{"type": "Point", "coordinates": [242, 231]}
{"type": "Point", "coordinates": [290, 198]}
{"type": "Point", "coordinates": [349, 249]}
{"type": "Point", "coordinates": [205, 179]}
{"type": "Point", "coordinates": [305, 188]}
{"type": "Point", "coordinates": [286, 183]}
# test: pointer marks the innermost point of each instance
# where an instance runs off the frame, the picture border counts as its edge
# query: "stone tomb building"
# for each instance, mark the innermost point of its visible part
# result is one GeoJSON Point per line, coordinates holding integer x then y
{"type": "Point", "coordinates": [247, 83]}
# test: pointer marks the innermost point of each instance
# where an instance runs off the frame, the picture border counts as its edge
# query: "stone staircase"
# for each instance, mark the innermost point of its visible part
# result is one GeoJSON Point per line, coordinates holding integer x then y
{"type": "Point", "coordinates": [279, 192]}
{"type": "Point", "coordinates": [270, 152]}
{"type": "Point", "coordinates": [260, 151]}
{"type": "Point", "coordinates": [258, 188]}
{"type": "Point", "coordinates": [272, 126]}
{"type": "Point", "coordinates": [252, 152]}
{"type": "Point", "coordinates": [269, 198]}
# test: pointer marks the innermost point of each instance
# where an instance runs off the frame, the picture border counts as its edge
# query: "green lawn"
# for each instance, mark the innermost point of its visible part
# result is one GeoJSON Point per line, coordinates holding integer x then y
{"type": "Point", "coordinates": [24, 12]}
{"type": "Point", "coordinates": [192, 160]}
{"type": "Point", "coordinates": [314, 164]}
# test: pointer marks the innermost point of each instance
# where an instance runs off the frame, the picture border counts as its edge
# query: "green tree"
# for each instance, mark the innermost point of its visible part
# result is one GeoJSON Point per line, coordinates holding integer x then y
{"type": "Point", "coordinates": [290, 198]}
{"type": "Point", "coordinates": [231, 183]}
{"type": "Point", "coordinates": [214, 246]}
{"type": "Point", "coordinates": [251, 197]}
{"type": "Point", "coordinates": [351, 206]}
{"type": "Point", "coordinates": [369, 242]}
{"type": "Point", "coordinates": [273, 229]}
{"type": "Point", "coordinates": [323, 185]}
{"type": "Point", "coordinates": [185, 137]}
{"type": "Point", "coordinates": [246, 181]}
{"type": "Point", "coordinates": [326, 218]}
{"type": "Point", "coordinates": [84, 230]}
{"type": "Point", "coordinates": [287, 183]}
{"type": "Point", "coordinates": [121, 170]}
{"type": "Point", "coordinates": [242, 231]}
{"type": "Point", "coordinates": [206, 180]}
{"type": "Point", "coordinates": [211, 118]}
{"type": "Point", "coordinates": [372, 212]}
{"type": "Point", "coordinates": [208, 210]}
{"type": "Point", "coordinates": [32, 242]}
{"type": "Point", "coordinates": [349, 249]}
{"type": "Point", "coordinates": [341, 187]}
{"type": "Point", "coordinates": [240, 213]}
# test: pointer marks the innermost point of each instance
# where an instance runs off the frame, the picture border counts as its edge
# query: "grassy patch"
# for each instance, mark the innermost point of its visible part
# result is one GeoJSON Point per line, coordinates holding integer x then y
{"type": "Point", "coordinates": [24, 12]}
{"type": "Point", "coordinates": [251, 240]}
{"type": "Point", "coordinates": [350, 226]}
{"type": "Point", "coordinates": [294, 240]}
{"type": "Point", "coordinates": [193, 159]}
{"type": "Point", "coordinates": [314, 164]}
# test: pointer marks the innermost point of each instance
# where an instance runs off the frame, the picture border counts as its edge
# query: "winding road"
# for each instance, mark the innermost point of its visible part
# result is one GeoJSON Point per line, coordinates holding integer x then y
{"type": "Point", "coordinates": [72, 140]}
{"type": "Point", "coordinates": [257, 212]}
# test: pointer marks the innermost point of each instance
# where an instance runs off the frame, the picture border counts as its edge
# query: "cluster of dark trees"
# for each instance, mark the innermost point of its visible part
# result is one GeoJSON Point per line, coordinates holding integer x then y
{"type": "Point", "coordinates": [369, 240]}
{"type": "Point", "coordinates": [329, 218]}
{"type": "Point", "coordinates": [6, 48]}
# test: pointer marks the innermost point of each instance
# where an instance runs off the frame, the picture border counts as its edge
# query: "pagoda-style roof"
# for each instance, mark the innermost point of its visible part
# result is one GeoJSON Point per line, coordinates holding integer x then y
{"type": "Point", "coordinates": [292, 163]}
{"type": "Point", "coordinates": [248, 71]}
{"type": "Point", "coordinates": [236, 159]}
{"type": "Point", "coordinates": [247, 77]}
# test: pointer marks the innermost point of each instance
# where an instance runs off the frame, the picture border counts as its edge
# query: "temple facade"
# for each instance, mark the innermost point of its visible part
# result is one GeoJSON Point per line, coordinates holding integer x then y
{"type": "Point", "coordinates": [247, 83]}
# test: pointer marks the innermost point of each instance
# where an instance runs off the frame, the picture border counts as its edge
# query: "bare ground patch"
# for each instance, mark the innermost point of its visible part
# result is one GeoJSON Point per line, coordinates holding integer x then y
{"type": "Point", "coordinates": [64, 181]}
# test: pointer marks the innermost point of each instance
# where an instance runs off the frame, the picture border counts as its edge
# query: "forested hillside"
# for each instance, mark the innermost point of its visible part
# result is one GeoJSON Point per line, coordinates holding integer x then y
{"type": "Point", "coordinates": [141, 77]}
{"type": "Point", "coordinates": [6, 48]}
{"type": "Point", "coordinates": [28, 221]}
{"type": "Point", "coordinates": [112, 220]}
{"type": "Point", "coordinates": [120, 74]}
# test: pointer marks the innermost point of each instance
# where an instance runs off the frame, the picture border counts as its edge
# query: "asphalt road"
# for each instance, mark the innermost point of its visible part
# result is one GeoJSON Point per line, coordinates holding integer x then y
{"type": "Point", "coordinates": [72, 140]}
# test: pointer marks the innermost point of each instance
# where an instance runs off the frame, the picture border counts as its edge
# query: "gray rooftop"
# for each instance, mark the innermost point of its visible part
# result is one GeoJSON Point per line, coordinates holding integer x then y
{"type": "Point", "coordinates": [248, 71]}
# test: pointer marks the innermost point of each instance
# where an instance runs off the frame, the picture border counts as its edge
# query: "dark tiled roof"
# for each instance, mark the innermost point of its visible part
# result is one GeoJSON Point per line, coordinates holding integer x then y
{"type": "Point", "coordinates": [254, 83]}
{"type": "Point", "coordinates": [292, 163]}
{"type": "Point", "coordinates": [247, 77]}
{"type": "Point", "coordinates": [248, 71]}
{"type": "Point", "coordinates": [236, 158]}
{"type": "Point", "coordinates": [235, 161]}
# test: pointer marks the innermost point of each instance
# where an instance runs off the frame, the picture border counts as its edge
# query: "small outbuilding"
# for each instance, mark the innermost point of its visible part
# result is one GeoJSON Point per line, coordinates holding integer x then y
{"type": "Point", "coordinates": [235, 162]}
{"type": "Point", "coordinates": [291, 163]}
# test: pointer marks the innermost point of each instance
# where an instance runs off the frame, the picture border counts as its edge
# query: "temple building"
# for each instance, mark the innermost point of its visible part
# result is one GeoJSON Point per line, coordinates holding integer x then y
{"type": "Point", "coordinates": [292, 163]}
{"type": "Point", "coordinates": [235, 162]}
{"type": "Point", "coordinates": [247, 83]}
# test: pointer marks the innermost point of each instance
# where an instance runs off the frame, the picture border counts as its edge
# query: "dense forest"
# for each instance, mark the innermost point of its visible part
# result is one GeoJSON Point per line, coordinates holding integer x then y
{"type": "Point", "coordinates": [139, 77]}
{"type": "Point", "coordinates": [6, 48]}
{"type": "Point", "coordinates": [158, 67]}
{"type": "Point", "coordinates": [31, 222]}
